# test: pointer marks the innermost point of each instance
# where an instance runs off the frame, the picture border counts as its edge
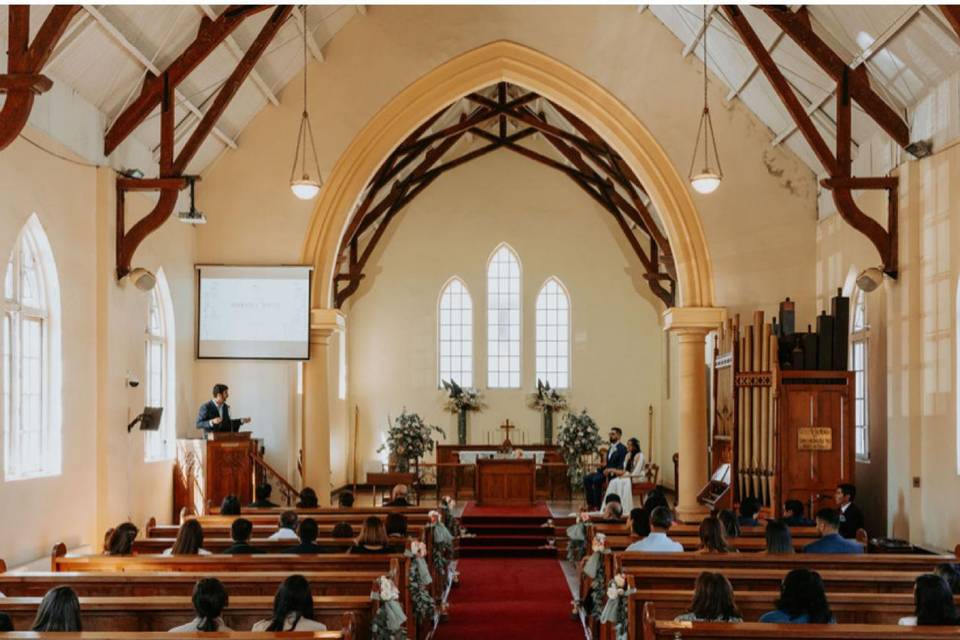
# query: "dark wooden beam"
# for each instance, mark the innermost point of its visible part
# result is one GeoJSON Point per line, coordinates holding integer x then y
{"type": "Point", "coordinates": [858, 184]}
{"type": "Point", "coordinates": [231, 86]}
{"type": "Point", "coordinates": [797, 27]}
{"type": "Point", "coordinates": [209, 37]}
{"type": "Point", "coordinates": [952, 13]}
{"type": "Point", "coordinates": [23, 80]}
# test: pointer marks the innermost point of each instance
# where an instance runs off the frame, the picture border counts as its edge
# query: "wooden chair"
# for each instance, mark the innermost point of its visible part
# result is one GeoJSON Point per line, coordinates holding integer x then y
{"type": "Point", "coordinates": [642, 485]}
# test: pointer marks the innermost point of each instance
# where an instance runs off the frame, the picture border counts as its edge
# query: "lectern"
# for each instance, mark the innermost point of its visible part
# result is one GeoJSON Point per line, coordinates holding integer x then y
{"type": "Point", "coordinates": [209, 469]}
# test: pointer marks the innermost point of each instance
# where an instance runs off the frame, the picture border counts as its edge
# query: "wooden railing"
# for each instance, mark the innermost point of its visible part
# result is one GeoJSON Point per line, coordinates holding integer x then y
{"type": "Point", "coordinates": [263, 471]}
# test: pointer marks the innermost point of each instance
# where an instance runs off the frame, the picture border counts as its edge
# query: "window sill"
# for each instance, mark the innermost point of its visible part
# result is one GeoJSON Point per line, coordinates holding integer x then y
{"type": "Point", "coordinates": [32, 476]}
{"type": "Point", "coordinates": [162, 459]}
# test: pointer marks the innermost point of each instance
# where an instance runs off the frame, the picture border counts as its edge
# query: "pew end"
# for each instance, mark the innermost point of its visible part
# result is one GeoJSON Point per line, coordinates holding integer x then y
{"type": "Point", "coordinates": [956, 551]}
{"type": "Point", "coordinates": [148, 526]}
{"type": "Point", "coordinates": [59, 550]}
{"type": "Point", "coordinates": [649, 621]}
{"type": "Point", "coordinates": [3, 566]}
{"type": "Point", "coordinates": [350, 628]}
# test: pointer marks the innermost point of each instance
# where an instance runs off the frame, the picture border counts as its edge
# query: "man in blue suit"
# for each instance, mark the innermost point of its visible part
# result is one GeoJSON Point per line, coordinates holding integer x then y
{"type": "Point", "coordinates": [214, 415]}
{"type": "Point", "coordinates": [593, 483]}
{"type": "Point", "coordinates": [828, 525]}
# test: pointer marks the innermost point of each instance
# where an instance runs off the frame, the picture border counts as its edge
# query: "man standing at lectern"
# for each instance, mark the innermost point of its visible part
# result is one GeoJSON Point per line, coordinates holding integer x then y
{"type": "Point", "coordinates": [214, 414]}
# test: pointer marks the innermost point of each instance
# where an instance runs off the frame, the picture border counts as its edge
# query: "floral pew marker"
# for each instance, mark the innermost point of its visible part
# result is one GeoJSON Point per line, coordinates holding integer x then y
{"type": "Point", "coordinates": [389, 622]}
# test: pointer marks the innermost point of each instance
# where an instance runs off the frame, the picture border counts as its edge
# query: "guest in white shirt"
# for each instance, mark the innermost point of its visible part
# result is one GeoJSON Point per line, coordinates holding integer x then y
{"type": "Point", "coordinates": [292, 608]}
{"type": "Point", "coordinates": [189, 541]}
{"type": "Point", "coordinates": [288, 527]}
{"type": "Point", "coordinates": [933, 603]}
{"type": "Point", "coordinates": [657, 542]}
{"type": "Point", "coordinates": [209, 600]}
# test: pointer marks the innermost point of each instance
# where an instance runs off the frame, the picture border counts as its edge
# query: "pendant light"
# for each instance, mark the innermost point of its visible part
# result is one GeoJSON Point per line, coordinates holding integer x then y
{"type": "Point", "coordinates": [305, 187]}
{"type": "Point", "coordinates": [708, 178]}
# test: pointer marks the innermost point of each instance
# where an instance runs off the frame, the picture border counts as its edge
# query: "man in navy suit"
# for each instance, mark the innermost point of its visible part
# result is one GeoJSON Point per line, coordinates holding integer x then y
{"type": "Point", "coordinates": [851, 518]}
{"type": "Point", "coordinates": [828, 525]}
{"type": "Point", "coordinates": [593, 483]}
{"type": "Point", "coordinates": [214, 414]}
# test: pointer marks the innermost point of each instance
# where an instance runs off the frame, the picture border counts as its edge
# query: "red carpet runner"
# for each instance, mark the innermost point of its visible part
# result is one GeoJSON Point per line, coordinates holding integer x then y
{"type": "Point", "coordinates": [510, 599]}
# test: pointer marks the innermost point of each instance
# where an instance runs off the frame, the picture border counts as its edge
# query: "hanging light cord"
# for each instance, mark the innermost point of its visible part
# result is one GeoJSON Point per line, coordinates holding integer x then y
{"type": "Point", "coordinates": [706, 106]}
{"type": "Point", "coordinates": [304, 13]}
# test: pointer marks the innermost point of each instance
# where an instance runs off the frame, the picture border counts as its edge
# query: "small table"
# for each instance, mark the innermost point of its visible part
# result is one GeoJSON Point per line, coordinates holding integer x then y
{"type": "Point", "coordinates": [506, 482]}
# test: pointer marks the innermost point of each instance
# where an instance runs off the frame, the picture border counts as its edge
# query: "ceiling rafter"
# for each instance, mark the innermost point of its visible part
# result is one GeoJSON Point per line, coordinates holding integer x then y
{"type": "Point", "coordinates": [237, 54]}
{"type": "Point", "coordinates": [702, 29]}
{"type": "Point", "coordinates": [952, 13]}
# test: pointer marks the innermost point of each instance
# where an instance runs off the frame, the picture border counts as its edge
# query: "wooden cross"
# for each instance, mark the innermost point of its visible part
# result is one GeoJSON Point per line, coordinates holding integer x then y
{"type": "Point", "coordinates": [507, 428]}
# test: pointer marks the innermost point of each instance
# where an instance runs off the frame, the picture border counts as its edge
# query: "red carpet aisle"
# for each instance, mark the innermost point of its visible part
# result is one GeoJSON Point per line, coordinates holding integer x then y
{"type": "Point", "coordinates": [510, 599]}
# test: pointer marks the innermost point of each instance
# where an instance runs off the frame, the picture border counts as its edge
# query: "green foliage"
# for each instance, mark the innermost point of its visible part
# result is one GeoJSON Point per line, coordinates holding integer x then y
{"type": "Point", "coordinates": [409, 437]}
{"type": "Point", "coordinates": [578, 436]}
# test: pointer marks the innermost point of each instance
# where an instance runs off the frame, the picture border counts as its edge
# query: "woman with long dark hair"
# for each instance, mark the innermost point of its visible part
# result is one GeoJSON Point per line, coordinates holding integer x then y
{"type": "Point", "coordinates": [932, 603]}
{"type": "Point", "coordinates": [372, 538]}
{"type": "Point", "coordinates": [779, 540]}
{"type": "Point", "coordinates": [59, 611]}
{"type": "Point", "coordinates": [950, 571]}
{"type": "Point", "coordinates": [230, 506]}
{"type": "Point", "coordinates": [712, 537]}
{"type": "Point", "coordinates": [120, 540]}
{"type": "Point", "coordinates": [802, 600]}
{"type": "Point", "coordinates": [292, 608]}
{"type": "Point", "coordinates": [621, 481]}
{"type": "Point", "coordinates": [209, 600]}
{"type": "Point", "coordinates": [731, 524]}
{"type": "Point", "coordinates": [712, 601]}
{"type": "Point", "coordinates": [189, 541]}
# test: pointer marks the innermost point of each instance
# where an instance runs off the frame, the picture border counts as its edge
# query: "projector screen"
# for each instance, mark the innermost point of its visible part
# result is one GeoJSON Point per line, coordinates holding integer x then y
{"type": "Point", "coordinates": [253, 312]}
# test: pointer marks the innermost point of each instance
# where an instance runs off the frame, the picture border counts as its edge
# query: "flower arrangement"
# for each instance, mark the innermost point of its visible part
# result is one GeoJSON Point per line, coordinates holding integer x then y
{"type": "Point", "coordinates": [546, 398]}
{"type": "Point", "coordinates": [578, 436]}
{"type": "Point", "coordinates": [461, 398]}
{"type": "Point", "coordinates": [616, 610]}
{"type": "Point", "coordinates": [595, 570]}
{"type": "Point", "coordinates": [424, 606]}
{"type": "Point", "coordinates": [409, 438]}
{"type": "Point", "coordinates": [442, 546]}
{"type": "Point", "coordinates": [389, 622]}
{"type": "Point", "coordinates": [446, 515]}
{"type": "Point", "coordinates": [577, 537]}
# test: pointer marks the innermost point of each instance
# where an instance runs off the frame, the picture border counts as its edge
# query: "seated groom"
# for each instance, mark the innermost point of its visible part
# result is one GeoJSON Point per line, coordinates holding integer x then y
{"type": "Point", "coordinates": [593, 483]}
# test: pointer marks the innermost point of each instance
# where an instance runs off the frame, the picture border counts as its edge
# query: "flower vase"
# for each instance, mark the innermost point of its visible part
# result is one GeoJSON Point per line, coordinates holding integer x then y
{"type": "Point", "coordinates": [462, 426]}
{"type": "Point", "coordinates": [547, 425]}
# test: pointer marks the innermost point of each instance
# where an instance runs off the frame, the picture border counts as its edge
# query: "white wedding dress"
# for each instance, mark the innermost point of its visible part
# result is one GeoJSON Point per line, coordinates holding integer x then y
{"type": "Point", "coordinates": [623, 485]}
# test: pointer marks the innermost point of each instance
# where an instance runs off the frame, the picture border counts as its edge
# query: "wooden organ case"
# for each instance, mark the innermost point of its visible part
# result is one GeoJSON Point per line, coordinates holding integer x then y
{"type": "Point", "coordinates": [786, 434]}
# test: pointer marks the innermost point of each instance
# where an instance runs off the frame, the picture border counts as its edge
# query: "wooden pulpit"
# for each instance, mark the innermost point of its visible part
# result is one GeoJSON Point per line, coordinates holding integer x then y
{"type": "Point", "coordinates": [209, 469]}
{"type": "Point", "coordinates": [506, 482]}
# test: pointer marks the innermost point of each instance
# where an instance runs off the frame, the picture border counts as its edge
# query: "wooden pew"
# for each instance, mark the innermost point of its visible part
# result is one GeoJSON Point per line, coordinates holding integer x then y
{"type": "Point", "coordinates": [180, 583]}
{"type": "Point", "coordinates": [166, 635]}
{"type": "Point", "coordinates": [684, 529]}
{"type": "Point", "coordinates": [352, 614]}
{"type": "Point", "coordinates": [320, 511]}
{"type": "Point", "coordinates": [744, 579]}
{"type": "Point", "coordinates": [654, 629]}
{"type": "Point", "coordinates": [620, 542]}
{"type": "Point", "coordinates": [324, 530]}
{"type": "Point", "coordinates": [218, 545]}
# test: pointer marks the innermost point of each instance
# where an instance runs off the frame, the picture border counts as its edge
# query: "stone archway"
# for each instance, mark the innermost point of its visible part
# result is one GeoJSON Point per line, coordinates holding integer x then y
{"type": "Point", "coordinates": [510, 62]}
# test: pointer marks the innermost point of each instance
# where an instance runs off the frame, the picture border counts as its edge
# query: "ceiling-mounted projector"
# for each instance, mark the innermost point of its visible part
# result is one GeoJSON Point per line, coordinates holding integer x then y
{"type": "Point", "coordinates": [193, 216]}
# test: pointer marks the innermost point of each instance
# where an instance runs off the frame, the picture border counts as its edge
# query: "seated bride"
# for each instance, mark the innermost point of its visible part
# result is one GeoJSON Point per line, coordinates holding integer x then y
{"type": "Point", "coordinates": [621, 481]}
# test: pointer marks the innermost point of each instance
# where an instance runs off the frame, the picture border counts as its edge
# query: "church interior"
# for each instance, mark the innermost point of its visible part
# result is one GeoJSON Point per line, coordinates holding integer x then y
{"type": "Point", "coordinates": [521, 298]}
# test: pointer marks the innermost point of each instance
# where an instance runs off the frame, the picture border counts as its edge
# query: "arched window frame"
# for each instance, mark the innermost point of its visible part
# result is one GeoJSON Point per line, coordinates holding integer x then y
{"type": "Point", "coordinates": [553, 331]}
{"type": "Point", "coordinates": [860, 365]}
{"type": "Point", "coordinates": [160, 371]}
{"type": "Point", "coordinates": [504, 332]}
{"type": "Point", "coordinates": [455, 333]}
{"type": "Point", "coordinates": [32, 436]}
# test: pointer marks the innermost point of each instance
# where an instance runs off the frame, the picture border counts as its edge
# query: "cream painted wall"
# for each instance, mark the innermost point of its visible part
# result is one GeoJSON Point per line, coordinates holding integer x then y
{"type": "Point", "coordinates": [451, 230]}
{"type": "Point", "coordinates": [760, 225]}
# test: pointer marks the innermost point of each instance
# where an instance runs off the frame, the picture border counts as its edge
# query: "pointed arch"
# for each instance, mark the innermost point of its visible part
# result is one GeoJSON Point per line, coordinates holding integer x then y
{"type": "Point", "coordinates": [32, 376]}
{"type": "Point", "coordinates": [160, 370]}
{"type": "Point", "coordinates": [504, 318]}
{"type": "Point", "coordinates": [553, 355]}
{"type": "Point", "coordinates": [455, 333]}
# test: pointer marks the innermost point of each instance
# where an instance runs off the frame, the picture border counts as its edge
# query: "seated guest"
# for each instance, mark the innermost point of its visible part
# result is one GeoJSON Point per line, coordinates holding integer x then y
{"type": "Point", "coordinates": [749, 510]}
{"type": "Point", "coordinates": [398, 496]}
{"type": "Point", "coordinates": [851, 518]}
{"type": "Point", "coordinates": [308, 499]}
{"type": "Point", "coordinates": [932, 603]}
{"type": "Point", "coordinates": [712, 538]}
{"type": "Point", "coordinates": [346, 499]}
{"type": "Point", "coordinates": [342, 530]}
{"type": "Point", "coordinates": [828, 525]}
{"type": "Point", "coordinates": [59, 611]}
{"type": "Point", "coordinates": [189, 541]}
{"type": "Point", "coordinates": [209, 600]}
{"type": "Point", "coordinates": [639, 522]}
{"type": "Point", "coordinates": [612, 511]}
{"type": "Point", "coordinates": [120, 540]}
{"type": "Point", "coordinates": [641, 525]}
{"type": "Point", "coordinates": [793, 514]}
{"type": "Point", "coordinates": [951, 573]}
{"type": "Point", "coordinates": [779, 540]}
{"type": "Point", "coordinates": [614, 461]}
{"type": "Point", "coordinates": [802, 600]}
{"type": "Point", "coordinates": [262, 493]}
{"type": "Point", "coordinates": [308, 539]}
{"type": "Point", "coordinates": [230, 506]}
{"type": "Point", "coordinates": [287, 527]}
{"type": "Point", "coordinates": [292, 606]}
{"type": "Point", "coordinates": [396, 527]}
{"type": "Point", "coordinates": [373, 538]}
{"type": "Point", "coordinates": [731, 524]}
{"type": "Point", "coordinates": [6, 624]}
{"type": "Point", "coordinates": [660, 521]}
{"type": "Point", "coordinates": [712, 601]}
{"type": "Point", "coordinates": [240, 531]}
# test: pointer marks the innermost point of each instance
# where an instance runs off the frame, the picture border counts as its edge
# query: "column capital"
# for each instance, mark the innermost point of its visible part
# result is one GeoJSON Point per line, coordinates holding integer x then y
{"type": "Point", "coordinates": [693, 320]}
{"type": "Point", "coordinates": [324, 323]}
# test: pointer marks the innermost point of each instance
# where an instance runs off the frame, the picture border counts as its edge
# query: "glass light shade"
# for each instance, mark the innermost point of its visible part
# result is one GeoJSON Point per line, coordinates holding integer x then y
{"type": "Point", "coordinates": [305, 189]}
{"type": "Point", "coordinates": [705, 182]}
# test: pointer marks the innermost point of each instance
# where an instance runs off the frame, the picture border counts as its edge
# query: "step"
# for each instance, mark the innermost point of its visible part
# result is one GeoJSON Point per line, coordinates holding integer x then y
{"type": "Point", "coordinates": [520, 552]}
{"type": "Point", "coordinates": [503, 541]}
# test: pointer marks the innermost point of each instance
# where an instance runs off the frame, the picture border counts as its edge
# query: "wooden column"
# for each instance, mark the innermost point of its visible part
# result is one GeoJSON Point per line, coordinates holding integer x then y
{"type": "Point", "coordinates": [691, 325]}
{"type": "Point", "coordinates": [317, 401]}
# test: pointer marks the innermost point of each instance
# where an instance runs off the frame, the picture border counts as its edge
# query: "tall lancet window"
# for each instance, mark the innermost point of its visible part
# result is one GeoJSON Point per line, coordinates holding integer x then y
{"type": "Point", "coordinates": [31, 358]}
{"type": "Point", "coordinates": [859, 358]}
{"type": "Point", "coordinates": [553, 334]}
{"type": "Point", "coordinates": [160, 371]}
{"type": "Point", "coordinates": [456, 334]}
{"type": "Point", "coordinates": [503, 319]}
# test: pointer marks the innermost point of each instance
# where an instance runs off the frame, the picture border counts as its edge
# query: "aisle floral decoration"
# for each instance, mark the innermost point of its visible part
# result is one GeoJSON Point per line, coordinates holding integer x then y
{"type": "Point", "coordinates": [409, 438]}
{"type": "Point", "coordinates": [595, 570]}
{"type": "Point", "coordinates": [577, 537]}
{"type": "Point", "coordinates": [424, 606]}
{"type": "Point", "coordinates": [447, 504]}
{"type": "Point", "coordinates": [579, 436]}
{"type": "Point", "coordinates": [389, 622]}
{"type": "Point", "coordinates": [442, 544]}
{"type": "Point", "coordinates": [616, 610]}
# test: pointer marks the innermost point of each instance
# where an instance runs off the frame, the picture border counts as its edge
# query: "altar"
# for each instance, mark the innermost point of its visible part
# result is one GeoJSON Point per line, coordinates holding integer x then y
{"type": "Point", "coordinates": [457, 467]}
